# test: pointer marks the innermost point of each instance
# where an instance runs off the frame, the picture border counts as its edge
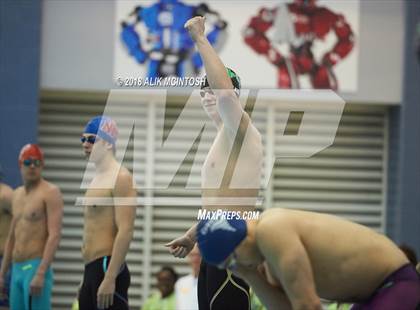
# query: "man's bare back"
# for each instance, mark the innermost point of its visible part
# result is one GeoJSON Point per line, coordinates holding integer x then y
{"type": "Point", "coordinates": [336, 249]}
{"type": "Point", "coordinates": [292, 259]}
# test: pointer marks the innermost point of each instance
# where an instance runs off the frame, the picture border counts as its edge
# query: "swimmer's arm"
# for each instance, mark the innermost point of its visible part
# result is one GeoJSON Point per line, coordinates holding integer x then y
{"type": "Point", "coordinates": [180, 247]}
{"type": "Point", "coordinates": [8, 249]}
{"type": "Point", "coordinates": [287, 256]}
{"type": "Point", "coordinates": [125, 214]}
{"type": "Point", "coordinates": [192, 233]}
{"type": "Point", "coordinates": [6, 201]}
{"type": "Point", "coordinates": [272, 297]}
{"type": "Point", "coordinates": [229, 106]}
{"type": "Point", "coordinates": [54, 208]}
{"type": "Point", "coordinates": [215, 69]}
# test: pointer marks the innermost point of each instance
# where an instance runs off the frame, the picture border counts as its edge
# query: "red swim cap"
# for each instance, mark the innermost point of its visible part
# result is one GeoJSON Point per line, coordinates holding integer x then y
{"type": "Point", "coordinates": [30, 151]}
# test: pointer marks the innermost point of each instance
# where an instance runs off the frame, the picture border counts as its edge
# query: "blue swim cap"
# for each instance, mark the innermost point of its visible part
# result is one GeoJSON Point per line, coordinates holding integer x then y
{"type": "Point", "coordinates": [217, 239]}
{"type": "Point", "coordinates": [104, 127]}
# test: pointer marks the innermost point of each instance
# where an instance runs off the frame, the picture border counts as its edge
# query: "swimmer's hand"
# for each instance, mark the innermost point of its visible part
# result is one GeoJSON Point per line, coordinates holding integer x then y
{"type": "Point", "coordinates": [105, 295]}
{"type": "Point", "coordinates": [37, 283]}
{"type": "Point", "coordinates": [180, 247]}
{"type": "Point", "coordinates": [195, 27]}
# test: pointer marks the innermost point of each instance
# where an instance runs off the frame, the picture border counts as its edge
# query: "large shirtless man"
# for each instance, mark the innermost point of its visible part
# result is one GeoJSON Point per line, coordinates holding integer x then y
{"type": "Point", "coordinates": [293, 258]}
{"type": "Point", "coordinates": [230, 176]}
{"type": "Point", "coordinates": [108, 230]}
{"type": "Point", "coordinates": [34, 235]}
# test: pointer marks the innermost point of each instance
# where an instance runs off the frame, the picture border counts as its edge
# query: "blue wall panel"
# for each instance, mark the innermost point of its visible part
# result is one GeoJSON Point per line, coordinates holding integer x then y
{"type": "Point", "coordinates": [20, 23]}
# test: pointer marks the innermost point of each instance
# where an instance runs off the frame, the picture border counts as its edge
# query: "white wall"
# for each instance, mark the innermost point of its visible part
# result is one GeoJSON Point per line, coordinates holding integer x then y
{"type": "Point", "coordinates": [77, 44]}
{"type": "Point", "coordinates": [381, 53]}
{"type": "Point", "coordinates": [78, 48]}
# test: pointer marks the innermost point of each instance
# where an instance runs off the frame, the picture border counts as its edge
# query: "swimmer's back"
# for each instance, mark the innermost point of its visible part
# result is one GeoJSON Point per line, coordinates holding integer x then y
{"type": "Point", "coordinates": [345, 256]}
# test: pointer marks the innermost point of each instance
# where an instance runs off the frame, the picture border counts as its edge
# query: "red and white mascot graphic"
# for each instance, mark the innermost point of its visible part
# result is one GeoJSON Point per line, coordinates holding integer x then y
{"type": "Point", "coordinates": [299, 24]}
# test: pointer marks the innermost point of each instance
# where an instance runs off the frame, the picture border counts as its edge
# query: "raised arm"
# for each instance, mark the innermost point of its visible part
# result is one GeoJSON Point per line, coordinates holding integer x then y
{"type": "Point", "coordinates": [290, 263]}
{"type": "Point", "coordinates": [229, 106]}
{"type": "Point", "coordinates": [215, 69]}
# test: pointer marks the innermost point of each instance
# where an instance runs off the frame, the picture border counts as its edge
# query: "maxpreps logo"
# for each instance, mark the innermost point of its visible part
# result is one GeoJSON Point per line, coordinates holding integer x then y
{"type": "Point", "coordinates": [227, 215]}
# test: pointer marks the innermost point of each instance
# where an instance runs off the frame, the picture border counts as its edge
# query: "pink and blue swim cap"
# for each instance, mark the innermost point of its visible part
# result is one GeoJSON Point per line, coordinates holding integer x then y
{"type": "Point", "coordinates": [104, 127]}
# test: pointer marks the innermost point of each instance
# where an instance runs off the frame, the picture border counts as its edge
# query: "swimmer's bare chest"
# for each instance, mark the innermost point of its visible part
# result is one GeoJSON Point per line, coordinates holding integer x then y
{"type": "Point", "coordinates": [30, 229]}
{"type": "Point", "coordinates": [99, 205]}
{"type": "Point", "coordinates": [28, 210]}
{"type": "Point", "coordinates": [99, 224]}
{"type": "Point", "coordinates": [228, 182]}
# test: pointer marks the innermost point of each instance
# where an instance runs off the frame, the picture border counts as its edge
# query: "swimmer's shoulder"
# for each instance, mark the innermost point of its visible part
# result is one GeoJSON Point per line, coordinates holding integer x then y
{"type": "Point", "coordinates": [50, 189]}
{"type": "Point", "coordinates": [6, 198]}
{"type": "Point", "coordinates": [125, 183]}
{"type": "Point", "coordinates": [6, 192]}
{"type": "Point", "coordinates": [124, 173]}
{"type": "Point", "coordinates": [124, 176]}
{"type": "Point", "coordinates": [274, 214]}
{"type": "Point", "coordinates": [277, 219]}
{"type": "Point", "coordinates": [271, 219]}
{"type": "Point", "coordinates": [18, 192]}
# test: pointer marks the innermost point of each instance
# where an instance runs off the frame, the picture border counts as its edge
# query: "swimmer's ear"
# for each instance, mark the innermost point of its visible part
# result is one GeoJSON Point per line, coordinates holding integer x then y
{"type": "Point", "coordinates": [110, 146]}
